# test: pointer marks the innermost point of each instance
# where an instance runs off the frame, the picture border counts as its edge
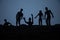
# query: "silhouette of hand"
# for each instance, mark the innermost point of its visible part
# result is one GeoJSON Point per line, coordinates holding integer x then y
{"type": "Point", "coordinates": [31, 14]}
{"type": "Point", "coordinates": [35, 17]}
{"type": "Point", "coordinates": [24, 18]}
{"type": "Point", "coordinates": [53, 16]}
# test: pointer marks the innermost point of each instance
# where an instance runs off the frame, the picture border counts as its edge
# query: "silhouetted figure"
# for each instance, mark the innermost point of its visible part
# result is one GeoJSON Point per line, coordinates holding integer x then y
{"type": "Point", "coordinates": [6, 23]}
{"type": "Point", "coordinates": [40, 14]}
{"type": "Point", "coordinates": [30, 23]}
{"type": "Point", "coordinates": [48, 14]}
{"type": "Point", "coordinates": [19, 16]}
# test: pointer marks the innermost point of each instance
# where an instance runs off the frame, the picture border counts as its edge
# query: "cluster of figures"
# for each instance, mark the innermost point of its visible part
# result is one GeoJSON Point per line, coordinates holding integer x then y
{"type": "Point", "coordinates": [30, 22]}
{"type": "Point", "coordinates": [48, 14]}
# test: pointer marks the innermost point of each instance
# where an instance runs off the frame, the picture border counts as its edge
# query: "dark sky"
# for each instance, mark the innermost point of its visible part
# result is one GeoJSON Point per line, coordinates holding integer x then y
{"type": "Point", "coordinates": [9, 9]}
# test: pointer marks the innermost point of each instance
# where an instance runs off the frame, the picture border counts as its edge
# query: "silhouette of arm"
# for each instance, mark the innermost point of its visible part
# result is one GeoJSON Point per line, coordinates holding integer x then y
{"type": "Point", "coordinates": [25, 21]}
{"type": "Point", "coordinates": [9, 23]}
{"type": "Point", "coordinates": [45, 14]}
{"type": "Point", "coordinates": [42, 14]}
{"type": "Point", "coordinates": [51, 13]}
{"type": "Point", "coordinates": [32, 18]}
{"type": "Point", "coordinates": [36, 16]}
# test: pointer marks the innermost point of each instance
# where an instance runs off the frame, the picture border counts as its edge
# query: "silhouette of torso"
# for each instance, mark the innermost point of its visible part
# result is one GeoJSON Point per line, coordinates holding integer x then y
{"type": "Point", "coordinates": [48, 14]}
{"type": "Point", "coordinates": [19, 15]}
{"type": "Point", "coordinates": [29, 23]}
{"type": "Point", "coordinates": [40, 15]}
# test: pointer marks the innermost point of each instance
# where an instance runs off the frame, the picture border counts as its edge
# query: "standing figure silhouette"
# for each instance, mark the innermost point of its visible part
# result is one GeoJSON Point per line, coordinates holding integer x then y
{"type": "Point", "coordinates": [48, 14]}
{"type": "Point", "coordinates": [40, 14]}
{"type": "Point", "coordinates": [19, 16]}
{"type": "Point", "coordinates": [30, 23]}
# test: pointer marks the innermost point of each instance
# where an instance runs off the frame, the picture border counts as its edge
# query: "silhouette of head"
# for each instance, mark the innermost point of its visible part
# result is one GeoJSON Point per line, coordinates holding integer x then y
{"type": "Point", "coordinates": [46, 8]}
{"type": "Point", "coordinates": [40, 11]}
{"type": "Point", "coordinates": [29, 19]}
{"type": "Point", "coordinates": [21, 9]}
{"type": "Point", "coordinates": [5, 20]}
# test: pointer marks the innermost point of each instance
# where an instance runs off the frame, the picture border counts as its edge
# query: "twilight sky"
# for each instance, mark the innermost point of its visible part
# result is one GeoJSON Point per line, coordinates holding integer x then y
{"type": "Point", "coordinates": [9, 9]}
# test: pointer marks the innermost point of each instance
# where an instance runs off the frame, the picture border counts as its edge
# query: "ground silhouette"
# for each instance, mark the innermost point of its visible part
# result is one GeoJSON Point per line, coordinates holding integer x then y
{"type": "Point", "coordinates": [35, 32]}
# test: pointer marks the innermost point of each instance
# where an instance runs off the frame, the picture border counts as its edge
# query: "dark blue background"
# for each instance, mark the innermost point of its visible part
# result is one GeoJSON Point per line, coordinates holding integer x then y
{"type": "Point", "coordinates": [9, 9]}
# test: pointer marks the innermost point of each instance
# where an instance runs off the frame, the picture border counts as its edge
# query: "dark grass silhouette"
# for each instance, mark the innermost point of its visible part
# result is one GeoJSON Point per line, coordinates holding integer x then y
{"type": "Point", "coordinates": [34, 32]}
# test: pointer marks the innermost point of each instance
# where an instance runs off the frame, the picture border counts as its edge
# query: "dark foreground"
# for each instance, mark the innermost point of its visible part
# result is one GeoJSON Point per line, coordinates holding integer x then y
{"type": "Point", "coordinates": [29, 33]}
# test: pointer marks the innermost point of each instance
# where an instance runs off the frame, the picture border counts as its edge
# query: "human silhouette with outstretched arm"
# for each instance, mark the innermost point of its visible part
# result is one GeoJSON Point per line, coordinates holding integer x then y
{"type": "Point", "coordinates": [19, 16]}
{"type": "Point", "coordinates": [40, 14]}
{"type": "Point", "coordinates": [48, 14]}
{"type": "Point", "coordinates": [30, 23]}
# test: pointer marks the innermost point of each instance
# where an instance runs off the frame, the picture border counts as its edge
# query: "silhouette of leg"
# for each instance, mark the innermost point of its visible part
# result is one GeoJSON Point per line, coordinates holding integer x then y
{"type": "Point", "coordinates": [46, 21]}
{"type": "Point", "coordinates": [49, 22]}
{"type": "Point", "coordinates": [39, 22]}
{"type": "Point", "coordinates": [16, 22]}
{"type": "Point", "coordinates": [19, 22]}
